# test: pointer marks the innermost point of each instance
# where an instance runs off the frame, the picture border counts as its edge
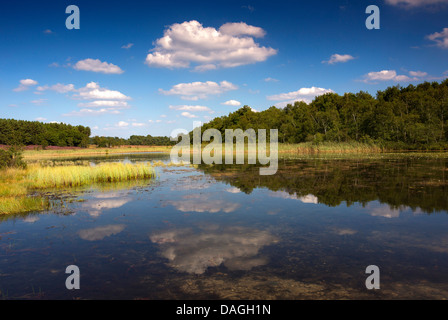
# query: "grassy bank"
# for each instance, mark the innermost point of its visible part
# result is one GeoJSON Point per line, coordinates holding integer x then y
{"type": "Point", "coordinates": [89, 152]}
{"type": "Point", "coordinates": [331, 147]}
{"type": "Point", "coordinates": [16, 184]}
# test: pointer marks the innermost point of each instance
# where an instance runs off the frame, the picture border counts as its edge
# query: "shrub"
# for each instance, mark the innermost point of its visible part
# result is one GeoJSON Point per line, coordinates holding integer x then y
{"type": "Point", "coordinates": [12, 158]}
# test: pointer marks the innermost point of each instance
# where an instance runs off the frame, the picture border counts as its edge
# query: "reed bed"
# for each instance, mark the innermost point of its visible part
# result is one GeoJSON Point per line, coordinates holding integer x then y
{"type": "Point", "coordinates": [331, 147]}
{"type": "Point", "coordinates": [74, 176]}
{"type": "Point", "coordinates": [17, 184]}
{"type": "Point", "coordinates": [13, 205]}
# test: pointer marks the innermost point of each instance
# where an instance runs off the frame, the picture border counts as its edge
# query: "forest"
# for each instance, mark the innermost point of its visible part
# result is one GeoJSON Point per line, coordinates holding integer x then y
{"type": "Point", "coordinates": [109, 142]}
{"type": "Point", "coordinates": [24, 133]}
{"type": "Point", "coordinates": [412, 117]}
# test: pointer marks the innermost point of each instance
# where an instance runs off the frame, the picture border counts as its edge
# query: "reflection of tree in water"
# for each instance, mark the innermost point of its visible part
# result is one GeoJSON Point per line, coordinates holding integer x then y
{"type": "Point", "coordinates": [416, 183]}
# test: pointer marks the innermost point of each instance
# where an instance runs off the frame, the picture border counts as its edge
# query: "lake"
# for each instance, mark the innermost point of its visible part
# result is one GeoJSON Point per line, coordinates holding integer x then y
{"type": "Point", "coordinates": [225, 232]}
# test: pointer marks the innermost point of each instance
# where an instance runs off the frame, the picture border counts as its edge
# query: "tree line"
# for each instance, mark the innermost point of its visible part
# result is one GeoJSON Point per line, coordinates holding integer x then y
{"type": "Point", "coordinates": [22, 132]}
{"type": "Point", "coordinates": [134, 140]}
{"type": "Point", "coordinates": [412, 117]}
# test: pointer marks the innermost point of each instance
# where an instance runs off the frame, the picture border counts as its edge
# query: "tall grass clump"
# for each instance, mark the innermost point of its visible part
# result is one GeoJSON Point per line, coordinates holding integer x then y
{"type": "Point", "coordinates": [74, 176]}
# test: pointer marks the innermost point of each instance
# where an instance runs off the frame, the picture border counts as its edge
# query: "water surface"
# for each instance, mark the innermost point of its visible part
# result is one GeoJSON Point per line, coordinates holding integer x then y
{"type": "Point", "coordinates": [225, 232]}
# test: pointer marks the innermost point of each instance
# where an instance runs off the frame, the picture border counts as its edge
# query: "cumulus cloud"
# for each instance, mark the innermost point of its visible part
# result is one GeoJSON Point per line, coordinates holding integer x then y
{"type": "Point", "coordinates": [418, 74]}
{"type": "Point", "coordinates": [241, 29]}
{"type": "Point", "coordinates": [303, 94]}
{"type": "Point", "coordinates": [122, 124]}
{"type": "Point", "coordinates": [440, 38]}
{"type": "Point", "coordinates": [339, 58]}
{"type": "Point", "coordinates": [238, 248]}
{"type": "Point", "coordinates": [95, 65]}
{"type": "Point", "coordinates": [25, 84]}
{"type": "Point", "coordinates": [190, 43]}
{"type": "Point", "coordinates": [233, 103]}
{"type": "Point", "coordinates": [105, 103]}
{"type": "Point", "coordinates": [187, 114]}
{"type": "Point", "coordinates": [93, 91]}
{"type": "Point", "coordinates": [59, 87]}
{"type": "Point", "coordinates": [385, 75]}
{"type": "Point", "coordinates": [190, 108]}
{"type": "Point", "coordinates": [91, 112]}
{"type": "Point", "coordinates": [199, 90]}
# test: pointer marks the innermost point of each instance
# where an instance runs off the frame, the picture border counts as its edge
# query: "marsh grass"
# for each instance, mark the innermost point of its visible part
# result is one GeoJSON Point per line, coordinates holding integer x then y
{"type": "Point", "coordinates": [74, 176]}
{"type": "Point", "coordinates": [89, 152]}
{"type": "Point", "coordinates": [16, 184]}
{"type": "Point", "coordinates": [14, 205]}
{"type": "Point", "coordinates": [331, 147]}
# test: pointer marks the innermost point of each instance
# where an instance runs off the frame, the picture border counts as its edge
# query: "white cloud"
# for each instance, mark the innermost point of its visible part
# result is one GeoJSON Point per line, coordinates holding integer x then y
{"type": "Point", "coordinates": [241, 29]}
{"type": "Point", "coordinates": [205, 67]}
{"type": "Point", "coordinates": [419, 74]}
{"type": "Point", "coordinates": [233, 103]}
{"type": "Point", "coordinates": [138, 124]}
{"type": "Point", "coordinates": [92, 91]}
{"type": "Point", "coordinates": [40, 119]}
{"type": "Point", "coordinates": [414, 3]}
{"type": "Point", "coordinates": [339, 58]}
{"type": "Point", "coordinates": [122, 124]}
{"type": "Point", "coordinates": [105, 103]}
{"type": "Point", "coordinates": [39, 101]}
{"type": "Point", "coordinates": [385, 75]}
{"type": "Point", "coordinates": [303, 94]}
{"type": "Point", "coordinates": [189, 42]}
{"type": "Point", "coordinates": [269, 79]}
{"type": "Point", "coordinates": [188, 115]}
{"type": "Point", "coordinates": [199, 90]}
{"type": "Point", "coordinates": [96, 65]}
{"type": "Point", "coordinates": [127, 46]}
{"type": "Point", "coordinates": [440, 38]}
{"type": "Point", "coordinates": [60, 88]}
{"type": "Point", "coordinates": [25, 84]}
{"type": "Point", "coordinates": [91, 112]}
{"type": "Point", "coordinates": [190, 108]}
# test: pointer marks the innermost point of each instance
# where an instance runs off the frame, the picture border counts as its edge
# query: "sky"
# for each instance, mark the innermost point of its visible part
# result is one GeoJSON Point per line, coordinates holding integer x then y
{"type": "Point", "coordinates": [147, 67]}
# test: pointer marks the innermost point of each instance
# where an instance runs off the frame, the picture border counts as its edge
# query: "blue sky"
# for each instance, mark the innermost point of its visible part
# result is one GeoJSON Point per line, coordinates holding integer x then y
{"type": "Point", "coordinates": [145, 67]}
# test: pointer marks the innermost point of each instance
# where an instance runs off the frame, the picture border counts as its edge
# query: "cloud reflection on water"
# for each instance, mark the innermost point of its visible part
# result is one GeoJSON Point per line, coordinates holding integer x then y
{"type": "Point", "coordinates": [105, 201]}
{"type": "Point", "coordinates": [99, 233]}
{"type": "Point", "coordinates": [193, 252]}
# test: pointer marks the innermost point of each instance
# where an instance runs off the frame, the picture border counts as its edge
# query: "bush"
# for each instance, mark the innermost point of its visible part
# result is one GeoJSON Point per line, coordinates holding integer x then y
{"type": "Point", "coordinates": [12, 158]}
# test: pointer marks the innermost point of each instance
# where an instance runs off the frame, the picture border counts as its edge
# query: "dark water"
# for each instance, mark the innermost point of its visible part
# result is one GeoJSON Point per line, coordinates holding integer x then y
{"type": "Point", "coordinates": [309, 232]}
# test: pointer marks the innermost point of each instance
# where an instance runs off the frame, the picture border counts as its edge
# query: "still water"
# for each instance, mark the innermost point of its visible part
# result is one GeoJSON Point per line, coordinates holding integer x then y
{"type": "Point", "coordinates": [225, 232]}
